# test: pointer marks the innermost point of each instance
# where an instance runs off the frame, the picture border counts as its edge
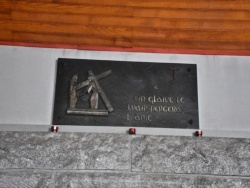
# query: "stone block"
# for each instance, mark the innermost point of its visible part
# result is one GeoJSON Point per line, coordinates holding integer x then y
{"type": "Point", "coordinates": [222, 182]}
{"type": "Point", "coordinates": [64, 151]}
{"type": "Point", "coordinates": [24, 179]}
{"type": "Point", "coordinates": [97, 180]}
{"type": "Point", "coordinates": [167, 181]}
{"type": "Point", "coordinates": [122, 180]}
{"type": "Point", "coordinates": [192, 155]}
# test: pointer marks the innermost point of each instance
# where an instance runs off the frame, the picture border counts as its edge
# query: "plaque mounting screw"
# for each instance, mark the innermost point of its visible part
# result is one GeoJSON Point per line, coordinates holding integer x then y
{"type": "Point", "coordinates": [198, 133]}
{"type": "Point", "coordinates": [54, 129]}
{"type": "Point", "coordinates": [132, 131]}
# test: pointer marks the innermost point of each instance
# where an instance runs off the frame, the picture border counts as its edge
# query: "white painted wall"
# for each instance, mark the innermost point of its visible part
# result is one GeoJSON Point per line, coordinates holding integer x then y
{"type": "Point", "coordinates": [27, 79]}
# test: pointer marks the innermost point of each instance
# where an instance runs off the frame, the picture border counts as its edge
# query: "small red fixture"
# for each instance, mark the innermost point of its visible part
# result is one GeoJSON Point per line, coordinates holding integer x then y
{"type": "Point", "coordinates": [198, 133]}
{"type": "Point", "coordinates": [132, 131]}
{"type": "Point", "coordinates": [54, 129]}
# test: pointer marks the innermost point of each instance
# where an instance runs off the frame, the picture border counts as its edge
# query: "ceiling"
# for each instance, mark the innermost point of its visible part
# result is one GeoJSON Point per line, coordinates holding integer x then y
{"type": "Point", "coordinates": [183, 26]}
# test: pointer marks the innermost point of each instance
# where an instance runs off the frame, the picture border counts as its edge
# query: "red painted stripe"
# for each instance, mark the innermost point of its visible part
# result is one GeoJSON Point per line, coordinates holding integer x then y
{"type": "Point", "coordinates": [120, 49]}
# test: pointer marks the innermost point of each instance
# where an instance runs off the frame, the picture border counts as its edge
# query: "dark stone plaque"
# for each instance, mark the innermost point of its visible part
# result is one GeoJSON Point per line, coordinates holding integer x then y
{"type": "Point", "coordinates": [130, 94]}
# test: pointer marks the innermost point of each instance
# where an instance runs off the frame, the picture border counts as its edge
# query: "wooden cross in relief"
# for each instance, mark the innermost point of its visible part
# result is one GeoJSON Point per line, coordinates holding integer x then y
{"type": "Point", "coordinates": [174, 69]}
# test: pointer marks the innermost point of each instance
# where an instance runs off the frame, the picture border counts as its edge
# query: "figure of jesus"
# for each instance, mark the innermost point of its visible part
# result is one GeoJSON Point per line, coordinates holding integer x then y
{"type": "Point", "coordinates": [94, 94]}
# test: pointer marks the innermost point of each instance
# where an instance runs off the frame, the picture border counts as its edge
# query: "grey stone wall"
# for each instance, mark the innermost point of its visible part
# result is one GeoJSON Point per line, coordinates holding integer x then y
{"type": "Point", "coordinates": [88, 160]}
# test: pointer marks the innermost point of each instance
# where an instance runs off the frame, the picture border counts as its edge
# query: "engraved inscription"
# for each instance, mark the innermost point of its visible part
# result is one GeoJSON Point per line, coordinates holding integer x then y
{"type": "Point", "coordinates": [146, 107]}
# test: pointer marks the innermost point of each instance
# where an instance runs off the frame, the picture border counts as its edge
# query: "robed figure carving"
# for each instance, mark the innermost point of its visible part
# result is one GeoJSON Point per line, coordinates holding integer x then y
{"type": "Point", "coordinates": [94, 89]}
{"type": "Point", "coordinates": [94, 94]}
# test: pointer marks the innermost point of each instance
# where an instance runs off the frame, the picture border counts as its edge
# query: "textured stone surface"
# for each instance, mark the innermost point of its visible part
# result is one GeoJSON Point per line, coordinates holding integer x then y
{"type": "Point", "coordinates": [222, 156]}
{"type": "Point", "coordinates": [23, 179]}
{"type": "Point", "coordinates": [97, 180]}
{"type": "Point", "coordinates": [216, 182]}
{"type": "Point", "coordinates": [122, 180]}
{"type": "Point", "coordinates": [167, 181]}
{"type": "Point", "coordinates": [64, 151]}
{"type": "Point", "coordinates": [156, 160]}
